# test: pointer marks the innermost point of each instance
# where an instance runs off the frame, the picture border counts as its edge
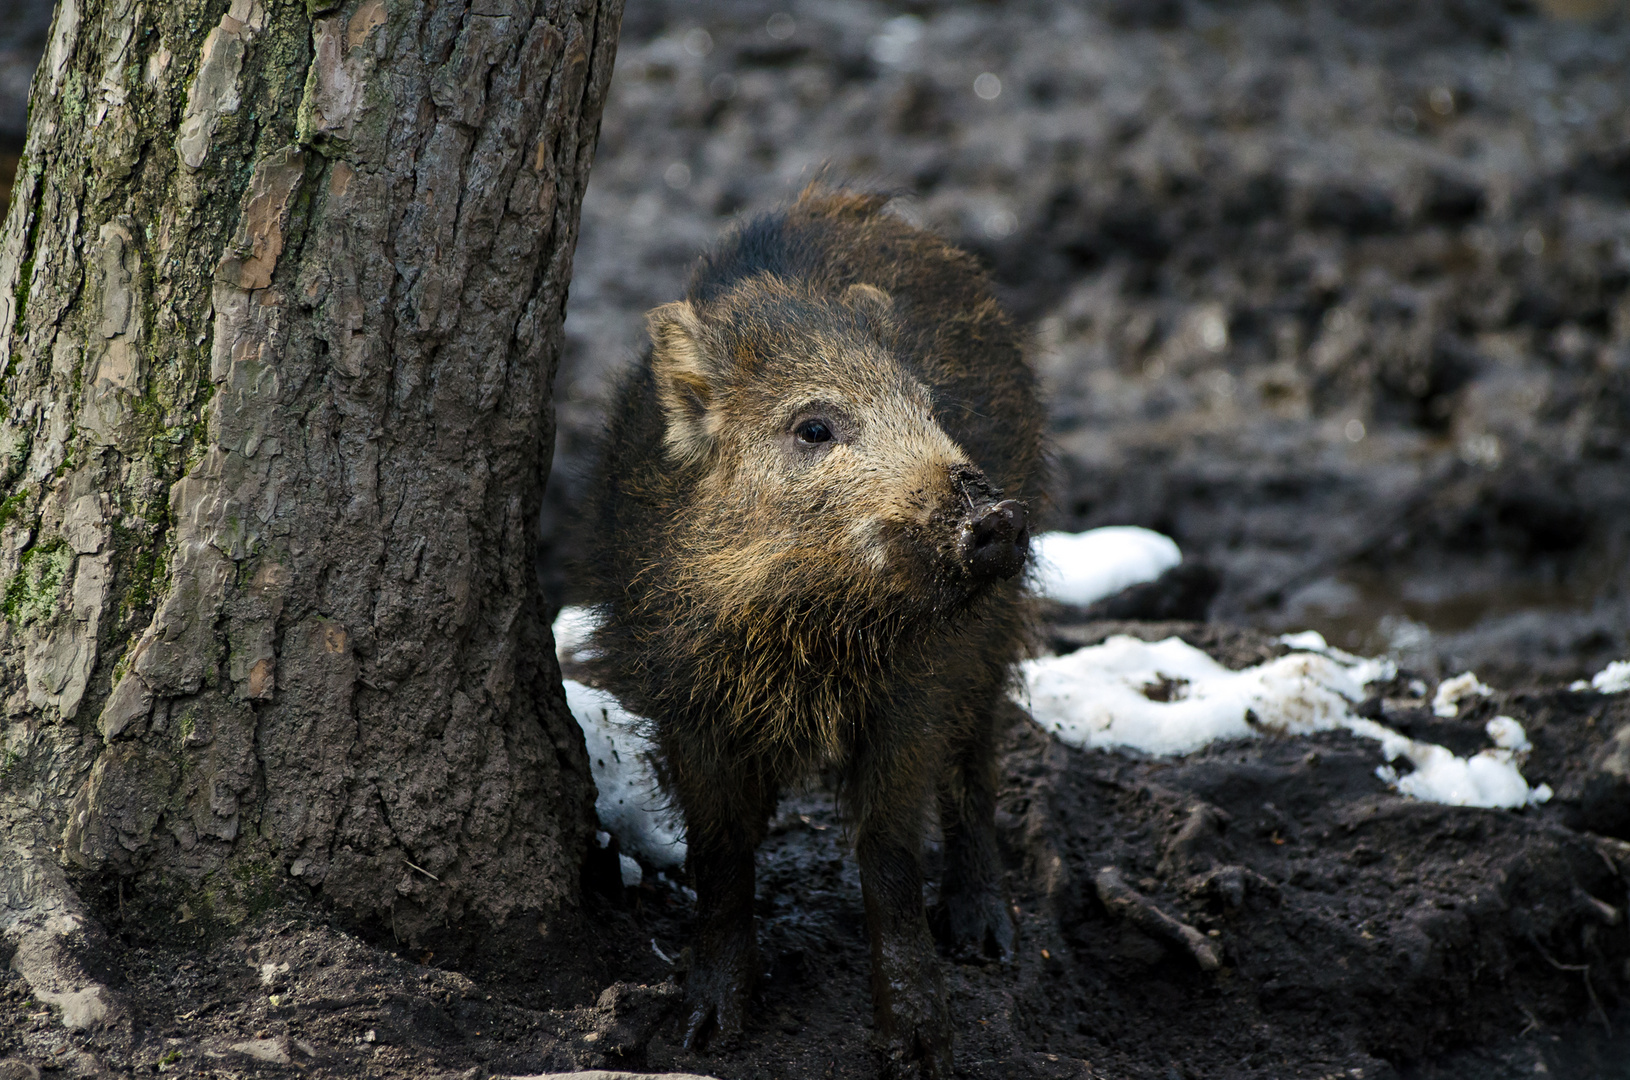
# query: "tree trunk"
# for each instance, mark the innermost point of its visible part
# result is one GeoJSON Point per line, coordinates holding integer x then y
{"type": "Point", "coordinates": [281, 292]}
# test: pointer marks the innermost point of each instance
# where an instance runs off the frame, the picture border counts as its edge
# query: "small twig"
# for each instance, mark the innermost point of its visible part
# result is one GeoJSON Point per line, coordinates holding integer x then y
{"type": "Point", "coordinates": [1123, 900]}
{"type": "Point", "coordinates": [423, 871]}
{"type": "Point", "coordinates": [1533, 1021]}
{"type": "Point", "coordinates": [1584, 970]}
{"type": "Point", "coordinates": [1596, 1002]}
{"type": "Point", "coordinates": [1601, 910]}
{"type": "Point", "coordinates": [1553, 961]}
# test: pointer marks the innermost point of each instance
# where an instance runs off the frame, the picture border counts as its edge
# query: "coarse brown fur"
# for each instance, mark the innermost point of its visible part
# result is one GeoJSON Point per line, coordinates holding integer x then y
{"type": "Point", "coordinates": [779, 605]}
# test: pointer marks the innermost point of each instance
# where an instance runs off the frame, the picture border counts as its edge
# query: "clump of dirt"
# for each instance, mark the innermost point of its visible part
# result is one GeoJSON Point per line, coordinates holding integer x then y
{"type": "Point", "coordinates": [1356, 932]}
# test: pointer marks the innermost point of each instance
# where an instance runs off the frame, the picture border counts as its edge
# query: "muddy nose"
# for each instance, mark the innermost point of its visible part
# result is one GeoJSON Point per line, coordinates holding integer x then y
{"type": "Point", "coordinates": [995, 540]}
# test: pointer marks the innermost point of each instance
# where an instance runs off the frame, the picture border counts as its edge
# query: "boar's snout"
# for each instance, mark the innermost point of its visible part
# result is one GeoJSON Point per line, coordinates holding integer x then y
{"type": "Point", "coordinates": [995, 540]}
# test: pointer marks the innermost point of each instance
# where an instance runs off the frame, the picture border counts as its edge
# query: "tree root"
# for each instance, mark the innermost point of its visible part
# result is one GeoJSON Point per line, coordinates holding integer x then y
{"type": "Point", "coordinates": [1583, 970]}
{"type": "Point", "coordinates": [50, 935]}
{"type": "Point", "coordinates": [1127, 903]}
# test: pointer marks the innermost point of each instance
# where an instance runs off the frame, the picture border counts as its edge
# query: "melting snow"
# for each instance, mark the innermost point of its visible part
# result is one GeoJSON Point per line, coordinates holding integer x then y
{"type": "Point", "coordinates": [1508, 735]}
{"type": "Point", "coordinates": [1167, 697]}
{"type": "Point", "coordinates": [1613, 679]}
{"type": "Point", "coordinates": [629, 803]}
{"type": "Point", "coordinates": [572, 629]}
{"type": "Point", "coordinates": [1487, 778]}
{"type": "Point", "coordinates": [1083, 568]}
{"type": "Point", "coordinates": [1451, 692]}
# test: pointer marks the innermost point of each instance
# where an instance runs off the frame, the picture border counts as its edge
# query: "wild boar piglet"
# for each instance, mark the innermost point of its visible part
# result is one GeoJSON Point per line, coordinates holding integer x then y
{"type": "Point", "coordinates": [809, 528]}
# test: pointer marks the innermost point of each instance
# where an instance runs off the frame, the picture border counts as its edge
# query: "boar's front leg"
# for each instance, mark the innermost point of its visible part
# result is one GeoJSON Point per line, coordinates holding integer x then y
{"type": "Point", "coordinates": [975, 911]}
{"type": "Point", "coordinates": [908, 992]}
{"type": "Point", "coordinates": [726, 816]}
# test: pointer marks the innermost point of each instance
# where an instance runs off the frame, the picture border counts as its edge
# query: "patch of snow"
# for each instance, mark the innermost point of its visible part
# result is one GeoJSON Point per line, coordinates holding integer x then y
{"type": "Point", "coordinates": [1489, 778]}
{"type": "Point", "coordinates": [1167, 697]}
{"type": "Point", "coordinates": [1451, 692]}
{"type": "Point", "coordinates": [1310, 640]}
{"type": "Point", "coordinates": [1372, 670]}
{"type": "Point", "coordinates": [572, 629]}
{"type": "Point", "coordinates": [1508, 735]}
{"type": "Point", "coordinates": [633, 874]}
{"type": "Point", "coordinates": [629, 802]}
{"type": "Point", "coordinates": [1613, 679]}
{"type": "Point", "coordinates": [1083, 568]}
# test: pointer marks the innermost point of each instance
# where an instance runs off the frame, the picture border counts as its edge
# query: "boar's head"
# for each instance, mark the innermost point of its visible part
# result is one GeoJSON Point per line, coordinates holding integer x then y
{"type": "Point", "coordinates": [822, 479]}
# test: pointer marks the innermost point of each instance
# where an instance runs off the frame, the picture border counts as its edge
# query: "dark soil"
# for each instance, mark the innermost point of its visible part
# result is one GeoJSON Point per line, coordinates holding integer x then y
{"type": "Point", "coordinates": [1238, 228]}
{"type": "Point", "coordinates": [1362, 934]}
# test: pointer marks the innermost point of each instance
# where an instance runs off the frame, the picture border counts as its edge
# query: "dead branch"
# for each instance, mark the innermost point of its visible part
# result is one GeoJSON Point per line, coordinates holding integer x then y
{"type": "Point", "coordinates": [1127, 903]}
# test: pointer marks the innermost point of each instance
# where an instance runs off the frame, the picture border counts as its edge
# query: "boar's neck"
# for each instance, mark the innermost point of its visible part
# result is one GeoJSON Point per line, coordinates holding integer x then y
{"type": "Point", "coordinates": [794, 687]}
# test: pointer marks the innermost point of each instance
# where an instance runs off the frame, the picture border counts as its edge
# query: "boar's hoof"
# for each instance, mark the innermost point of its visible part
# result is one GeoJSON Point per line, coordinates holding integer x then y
{"type": "Point", "coordinates": [920, 1051]}
{"type": "Point", "coordinates": [976, 925]}
{"type": "Point", "coordinates": [716, 992]}
{"type": "Point", "coordinates": [995, 541]}
{"type": "Point", "coordinates": [912, 1017]}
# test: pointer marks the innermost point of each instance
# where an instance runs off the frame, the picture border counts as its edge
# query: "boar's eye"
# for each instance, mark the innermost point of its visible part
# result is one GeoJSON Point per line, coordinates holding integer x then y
{"type": "Point", "coordinates": [813, 432]}
{"type": "Point", "coordinates": [815, 429]}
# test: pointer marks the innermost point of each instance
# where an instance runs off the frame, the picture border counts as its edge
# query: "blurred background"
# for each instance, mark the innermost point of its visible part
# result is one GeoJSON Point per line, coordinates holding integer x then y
{"type": "Point", "coordinates": [1333, 292]}
{"type": "Point", "coordinates": [23, 26]}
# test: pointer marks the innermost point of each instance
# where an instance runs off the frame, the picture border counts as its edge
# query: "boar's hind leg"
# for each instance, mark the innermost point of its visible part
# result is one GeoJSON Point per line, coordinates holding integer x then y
{"type": "Point", "coordinates": [908, 991]}
{"type": "Point", "coordinates": [974, 918]}
{"type": "Point", "coordinates": [725, 821]}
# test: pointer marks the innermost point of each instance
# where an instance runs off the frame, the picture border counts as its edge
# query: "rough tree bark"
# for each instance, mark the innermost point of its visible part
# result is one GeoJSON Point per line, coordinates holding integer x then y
{"type": "Point", "coordinates": [281, 291]}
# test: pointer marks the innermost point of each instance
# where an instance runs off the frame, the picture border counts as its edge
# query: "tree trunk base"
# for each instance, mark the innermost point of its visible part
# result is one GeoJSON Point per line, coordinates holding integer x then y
{"type": "Point", "coordinates": [56, 945]}
{"type": "Point", "coordinates": [279, 352]}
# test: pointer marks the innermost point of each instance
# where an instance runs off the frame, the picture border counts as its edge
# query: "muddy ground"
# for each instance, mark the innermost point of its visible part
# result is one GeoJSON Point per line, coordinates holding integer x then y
{"type": "Point", "coordinates": [1334, 294]}
{"type": "Point", "coordinates": [1361, 934]}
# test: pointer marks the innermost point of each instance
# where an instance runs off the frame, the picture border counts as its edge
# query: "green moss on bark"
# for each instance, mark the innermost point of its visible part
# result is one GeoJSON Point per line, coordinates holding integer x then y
{"type": "Point", "coordinates": [33, 592]}
{"type": "Point", "coordinates": [9, 508]}
{"type": "Point", "coordinates": [25, 271]}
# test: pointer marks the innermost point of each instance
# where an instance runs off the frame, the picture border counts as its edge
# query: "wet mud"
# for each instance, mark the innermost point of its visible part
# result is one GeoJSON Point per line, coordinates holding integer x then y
{"type": "Point", "coordinates": [1351, 932]}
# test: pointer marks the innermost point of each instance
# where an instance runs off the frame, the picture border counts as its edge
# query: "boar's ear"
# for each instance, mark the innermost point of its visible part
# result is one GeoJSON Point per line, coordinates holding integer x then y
{"type": "Point", "coordinates": [684, 378]}
{"type": "Point", "coordinates": [873, 305]}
